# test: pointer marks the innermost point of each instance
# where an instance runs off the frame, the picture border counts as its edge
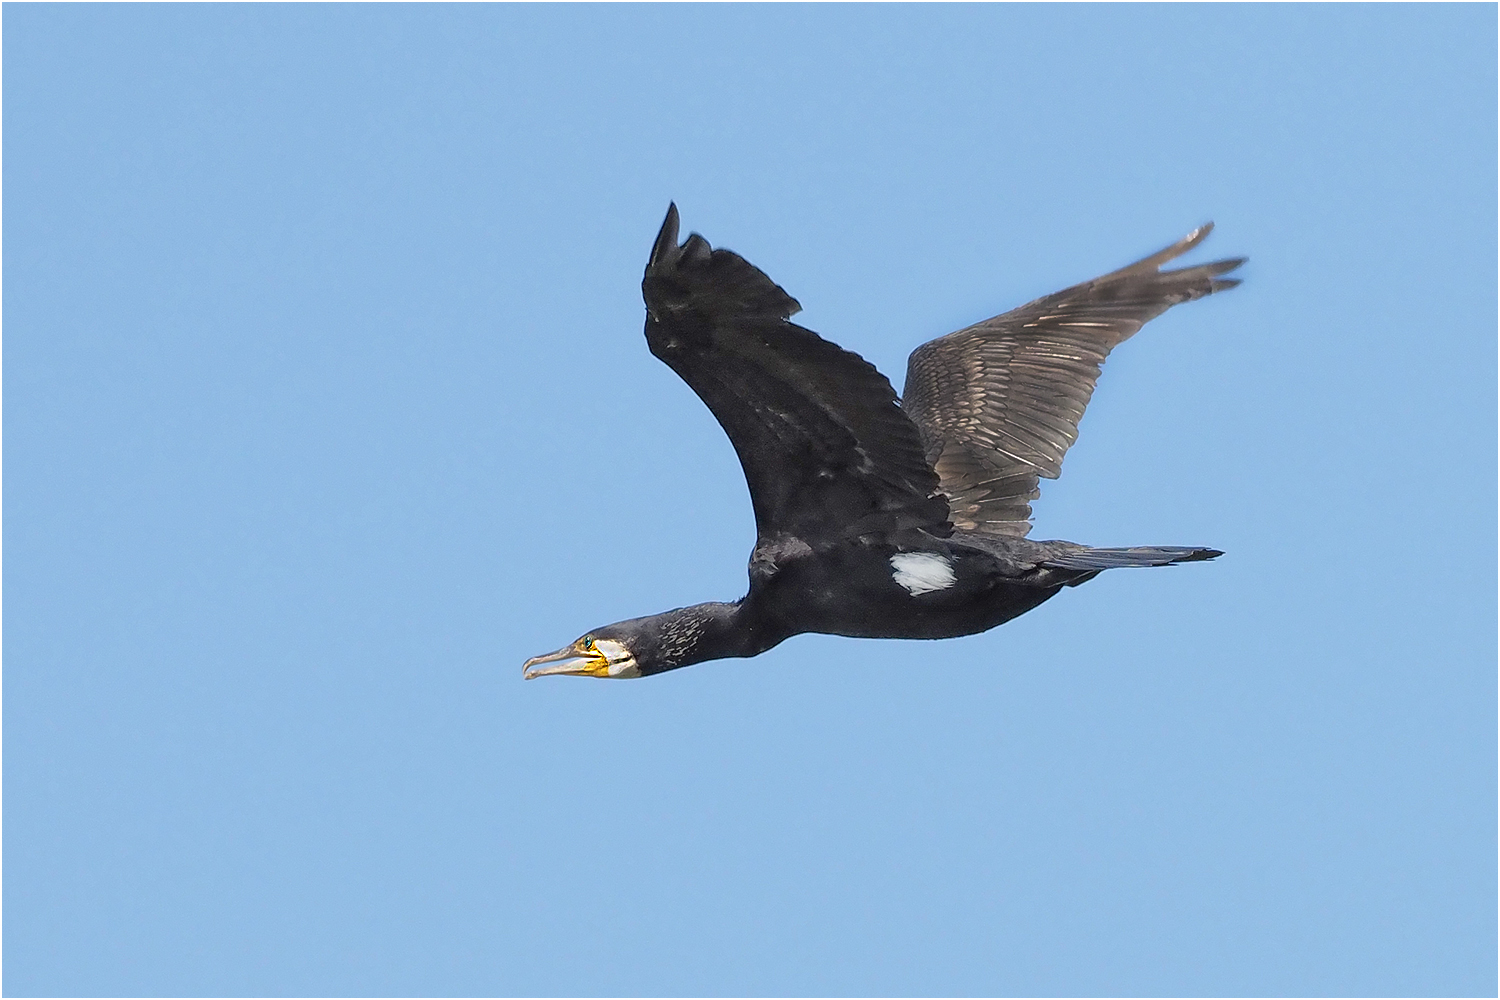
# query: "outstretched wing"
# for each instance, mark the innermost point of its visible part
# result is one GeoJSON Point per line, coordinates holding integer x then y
{"type": "Point", "coordinates": [998, 403]}
{"type": "Point", "coordinates": [827, 450]}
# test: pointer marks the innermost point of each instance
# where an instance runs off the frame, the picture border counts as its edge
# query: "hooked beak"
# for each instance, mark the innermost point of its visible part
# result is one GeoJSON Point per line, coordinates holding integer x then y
{"type": "Point", "coordinates": [568, 660]}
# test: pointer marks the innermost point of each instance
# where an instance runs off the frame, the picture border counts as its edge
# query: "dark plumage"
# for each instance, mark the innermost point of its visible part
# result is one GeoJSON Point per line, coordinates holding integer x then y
{"type": "Point", "coordinates": [878, 517]}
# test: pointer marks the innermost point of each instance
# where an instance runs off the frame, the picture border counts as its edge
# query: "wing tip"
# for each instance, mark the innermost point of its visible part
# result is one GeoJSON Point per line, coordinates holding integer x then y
{"type": "Point", "coordinates": [1214, 270]}
{"type": "Point", "coordinates": [1155, 261]}
{"type": "Point", "coordinates": [1208, 274]}
{"type": "Point", "coordinates": [666, 238]}
{"type": "Point", "coordinates": [693, 273]}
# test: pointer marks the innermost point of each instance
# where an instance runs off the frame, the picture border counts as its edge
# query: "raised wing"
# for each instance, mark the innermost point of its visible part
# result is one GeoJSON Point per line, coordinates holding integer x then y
{"type": "Point", "coordinates": [998, 403]}
{"type": "Point", "coordinates": [827, 450]}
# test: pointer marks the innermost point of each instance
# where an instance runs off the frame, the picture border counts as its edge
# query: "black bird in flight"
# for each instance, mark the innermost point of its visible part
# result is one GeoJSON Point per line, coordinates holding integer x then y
{"type": "Point", "coordinates": [879, 517]}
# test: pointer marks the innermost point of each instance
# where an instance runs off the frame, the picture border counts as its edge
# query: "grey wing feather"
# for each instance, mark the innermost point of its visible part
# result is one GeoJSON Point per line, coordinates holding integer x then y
{"type": "Point", "coordinates": [998, 403]}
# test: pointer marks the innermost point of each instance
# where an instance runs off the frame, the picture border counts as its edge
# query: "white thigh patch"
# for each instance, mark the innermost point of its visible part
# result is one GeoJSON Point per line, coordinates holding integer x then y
{"type": "Point", "coordinates": [922, 572]}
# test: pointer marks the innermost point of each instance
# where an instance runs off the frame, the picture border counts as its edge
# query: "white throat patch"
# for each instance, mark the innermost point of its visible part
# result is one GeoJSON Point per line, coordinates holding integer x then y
{"type": "Point", "coordinates": [621, 662]}
{"type": "Point", "coordinates": [922, 572]}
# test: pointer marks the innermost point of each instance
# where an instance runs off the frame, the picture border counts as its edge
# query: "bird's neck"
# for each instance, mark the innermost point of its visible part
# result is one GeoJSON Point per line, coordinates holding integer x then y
{"type": "Point", "coordinates": [712, 631]}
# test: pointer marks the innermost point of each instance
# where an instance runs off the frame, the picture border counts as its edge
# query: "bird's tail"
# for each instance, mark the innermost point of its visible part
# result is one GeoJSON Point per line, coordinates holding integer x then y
{"type": "Point", "coordinates": [1086, 558]}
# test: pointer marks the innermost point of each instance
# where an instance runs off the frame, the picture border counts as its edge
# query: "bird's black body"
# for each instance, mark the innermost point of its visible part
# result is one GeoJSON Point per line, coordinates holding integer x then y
{"type": "Point", "coordinates": [850, 589]}
{"type": "Point", "coordinates": [877, 517]}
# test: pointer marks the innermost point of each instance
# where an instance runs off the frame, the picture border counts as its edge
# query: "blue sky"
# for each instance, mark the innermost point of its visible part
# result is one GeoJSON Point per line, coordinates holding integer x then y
{"type": "Point", "coordinates": [326, 404]}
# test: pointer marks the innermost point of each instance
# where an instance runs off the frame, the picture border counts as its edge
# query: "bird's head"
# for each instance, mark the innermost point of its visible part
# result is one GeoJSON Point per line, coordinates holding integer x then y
{"type": "Point", "coordinates": [601, 653]}
{"type": "Point", "coordinates": [640, 647]}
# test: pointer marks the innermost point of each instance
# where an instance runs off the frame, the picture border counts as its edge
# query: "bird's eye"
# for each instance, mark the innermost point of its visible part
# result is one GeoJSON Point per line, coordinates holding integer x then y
{"type": "Point", "coordinates": [587, 642]}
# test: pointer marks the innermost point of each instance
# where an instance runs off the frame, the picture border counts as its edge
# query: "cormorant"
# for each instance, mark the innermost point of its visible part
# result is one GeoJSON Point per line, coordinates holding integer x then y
{"type": "Point", "coordinates": [879, 517]}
